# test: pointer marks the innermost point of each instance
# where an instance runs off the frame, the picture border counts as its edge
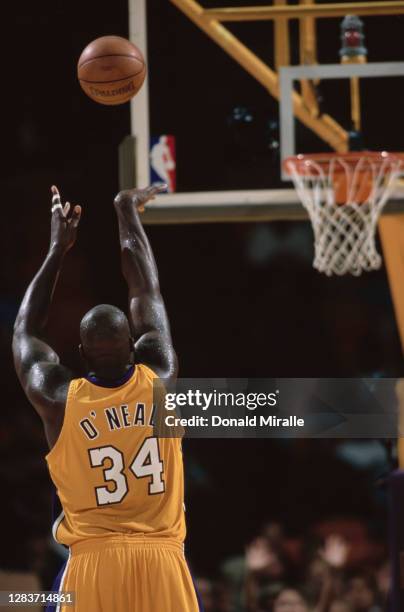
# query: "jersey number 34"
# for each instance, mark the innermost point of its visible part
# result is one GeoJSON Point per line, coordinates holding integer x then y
{"type": "Point", "coordinates": [146, 464]}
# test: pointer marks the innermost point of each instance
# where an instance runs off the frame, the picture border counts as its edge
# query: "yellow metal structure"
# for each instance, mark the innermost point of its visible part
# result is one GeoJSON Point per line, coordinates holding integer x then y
{"type": "Point", "coordinates": [355, 91]}
{"type": "Point", "coordinates": [391, 229]}
{"type": "Point", "coordinates": [281, 31]}
{"type": "Point", "coordinates": [325, 127]}
{"type": "Point", "coordinates": [339, 9]}
{"type": "Point", "coordinates": [307, 11]}
{"type": "Point", "coordinates": [308, 55]}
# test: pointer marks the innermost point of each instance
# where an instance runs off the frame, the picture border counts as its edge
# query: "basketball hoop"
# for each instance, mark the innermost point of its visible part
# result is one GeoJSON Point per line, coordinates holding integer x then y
{"type": "Point", "coordinates": [344, 194]}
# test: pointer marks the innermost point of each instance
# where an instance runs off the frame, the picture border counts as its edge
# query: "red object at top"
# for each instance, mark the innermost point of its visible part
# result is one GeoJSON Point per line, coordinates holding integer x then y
{"type": "Point", "coordinates": [352, 38]}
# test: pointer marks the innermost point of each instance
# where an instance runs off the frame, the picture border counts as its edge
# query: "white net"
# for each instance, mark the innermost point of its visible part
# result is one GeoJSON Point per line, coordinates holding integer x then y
{"type": "Point", "coordinates": [344, 198]}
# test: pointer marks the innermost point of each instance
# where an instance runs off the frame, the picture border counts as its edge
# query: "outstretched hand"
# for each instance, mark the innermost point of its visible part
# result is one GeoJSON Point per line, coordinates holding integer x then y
{"type": "Point", "coordinates": [335, 551]}
{"type": "Point", "coordinates": [63, 226]}
{"type": "Point", "coordinates": [259, 555]}
{"type": "Point", "coordinates": [140, 197]}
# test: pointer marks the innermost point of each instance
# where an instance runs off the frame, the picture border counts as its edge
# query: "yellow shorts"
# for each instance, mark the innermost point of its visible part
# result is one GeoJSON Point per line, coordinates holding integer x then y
{"type": "Point", "coordinates": [123, 574]}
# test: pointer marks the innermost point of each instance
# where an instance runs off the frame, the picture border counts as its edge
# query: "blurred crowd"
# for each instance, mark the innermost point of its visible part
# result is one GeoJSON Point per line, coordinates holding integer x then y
{"type": "Point", "coordinates": [336, 567]}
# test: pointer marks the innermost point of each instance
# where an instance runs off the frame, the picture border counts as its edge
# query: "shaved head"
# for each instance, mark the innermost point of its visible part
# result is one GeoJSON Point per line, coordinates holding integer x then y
{"type": "Point", "coordinates": [106, 341]}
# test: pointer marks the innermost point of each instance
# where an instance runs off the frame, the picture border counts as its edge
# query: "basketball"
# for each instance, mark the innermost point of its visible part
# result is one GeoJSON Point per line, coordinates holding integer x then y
{"type": "Point", "coordinates": [111, 70]}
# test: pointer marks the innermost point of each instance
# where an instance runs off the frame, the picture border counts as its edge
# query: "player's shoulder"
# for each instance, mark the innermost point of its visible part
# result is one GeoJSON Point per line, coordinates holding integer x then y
{"type": "Point", "coordinates": [47, 388]}
{"type": "Point", "coordinates": [155, 373]}
{"type": "Point", "coordinates": [77, 384]}
{"type": "Point", "coordinates": [147, 371]}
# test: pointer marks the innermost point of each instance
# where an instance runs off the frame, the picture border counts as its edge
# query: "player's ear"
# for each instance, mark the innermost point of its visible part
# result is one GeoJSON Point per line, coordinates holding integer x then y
{"type": "Point", "coordinates": [82, 354]}
{"type": "Point", "coordinates": [132, 348]}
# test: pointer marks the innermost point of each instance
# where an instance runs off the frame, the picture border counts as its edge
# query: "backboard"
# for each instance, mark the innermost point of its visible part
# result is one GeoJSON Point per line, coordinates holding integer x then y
{"type": "Point", "coordinates": [214, 93]}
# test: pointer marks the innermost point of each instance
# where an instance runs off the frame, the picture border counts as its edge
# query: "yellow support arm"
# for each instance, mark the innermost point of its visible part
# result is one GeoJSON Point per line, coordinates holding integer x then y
{"type": "Point", "coordinates": [340, 9]}
{"type": "Point", "coordinates": [282, 51]}
{"type": "Point", "coordinates": [391, 229]}
{"type": "Point", "coordinates": [308, 55]}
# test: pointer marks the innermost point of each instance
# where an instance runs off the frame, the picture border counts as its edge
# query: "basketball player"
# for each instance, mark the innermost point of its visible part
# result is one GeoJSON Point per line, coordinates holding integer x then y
{"type": "Point", "coordinates": [121, 489]}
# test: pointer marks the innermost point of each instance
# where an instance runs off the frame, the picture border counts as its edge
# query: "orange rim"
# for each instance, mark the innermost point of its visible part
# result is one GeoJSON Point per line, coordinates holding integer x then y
{"type": "Point", "coordinates": [303, 161]}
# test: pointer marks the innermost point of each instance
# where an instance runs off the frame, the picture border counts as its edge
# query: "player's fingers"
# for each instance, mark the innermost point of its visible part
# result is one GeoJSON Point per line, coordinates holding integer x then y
{"type": "Point", "coordinates": [151, 191]}
{"type": "Point", "coordinates": [157, 188]}
{"type": "Point", "coordinates": [149, 194]}
{"type": "Point", "coordinates": [76, 215]}
{"type": "Point", "coordinates": [66, 209]}
{"type": "Point", "coordinates": [56, 203]}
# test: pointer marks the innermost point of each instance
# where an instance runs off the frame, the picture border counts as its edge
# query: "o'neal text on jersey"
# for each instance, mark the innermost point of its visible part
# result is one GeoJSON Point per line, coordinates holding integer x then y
{"type": "Point", "coordinates": [119, 417]}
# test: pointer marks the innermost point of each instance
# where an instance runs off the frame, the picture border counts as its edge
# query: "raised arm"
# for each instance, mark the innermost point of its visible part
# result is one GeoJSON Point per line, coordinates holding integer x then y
{"type": "Point", "coordinates": [148, 317]}
{"type": "Point", "coordinates": [43, 379]}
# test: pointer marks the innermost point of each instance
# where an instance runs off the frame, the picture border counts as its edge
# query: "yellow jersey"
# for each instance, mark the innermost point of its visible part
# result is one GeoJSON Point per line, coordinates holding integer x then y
{"type": "Point", "coordinates": [111, 474]}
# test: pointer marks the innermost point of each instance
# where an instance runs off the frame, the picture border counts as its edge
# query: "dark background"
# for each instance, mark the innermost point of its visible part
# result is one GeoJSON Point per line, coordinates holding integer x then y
{"type": "Point", "coordinates": [243, 300]}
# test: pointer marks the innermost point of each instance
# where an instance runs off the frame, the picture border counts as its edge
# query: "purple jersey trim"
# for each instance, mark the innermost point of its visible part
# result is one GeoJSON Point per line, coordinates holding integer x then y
{"type": "Point", "coordinates": [111, 384]}
{"type": "Point", "coordinates": [51, 607]}
{"type": "Point", "coordinates": [198, 597]}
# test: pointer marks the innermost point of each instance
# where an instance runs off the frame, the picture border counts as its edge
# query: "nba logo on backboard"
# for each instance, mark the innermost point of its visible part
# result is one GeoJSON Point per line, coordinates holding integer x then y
{"type": "Point", "coordinates": [162, 161]}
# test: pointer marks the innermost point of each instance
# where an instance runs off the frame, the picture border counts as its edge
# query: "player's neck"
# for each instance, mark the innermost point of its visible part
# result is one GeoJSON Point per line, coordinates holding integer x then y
{"type": "Point", "coordinates": [115, 377]}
